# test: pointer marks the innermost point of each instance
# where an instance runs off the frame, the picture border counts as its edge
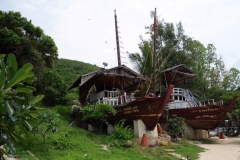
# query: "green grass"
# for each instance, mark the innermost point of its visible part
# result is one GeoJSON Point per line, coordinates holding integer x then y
{"type": "Point", "coordinates": [71, 143]}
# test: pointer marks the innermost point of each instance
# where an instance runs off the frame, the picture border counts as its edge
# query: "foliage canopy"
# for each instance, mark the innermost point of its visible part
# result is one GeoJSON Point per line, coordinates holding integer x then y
{"type": "Point", "coordinates": [27, 42]}
{"type": "Point", "coordinates": [174, 47]}
{"type": "Point", "coordinates": [53, 87]}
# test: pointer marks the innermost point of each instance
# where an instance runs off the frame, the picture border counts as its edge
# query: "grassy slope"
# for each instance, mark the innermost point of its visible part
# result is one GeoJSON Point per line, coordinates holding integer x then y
{"type": "Point", "coordinates": [75, 143]}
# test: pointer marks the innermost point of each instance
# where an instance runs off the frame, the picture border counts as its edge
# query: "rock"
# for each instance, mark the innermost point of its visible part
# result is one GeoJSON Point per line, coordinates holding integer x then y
{"type": "Point", "coordinates": [75, 110]}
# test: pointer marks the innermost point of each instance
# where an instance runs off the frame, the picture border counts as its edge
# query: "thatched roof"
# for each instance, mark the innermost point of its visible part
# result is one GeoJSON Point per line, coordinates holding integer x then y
{"type": "Point", "coordinates": [177, 74]}
{"type": "Point", "coordinates": [107, 79]}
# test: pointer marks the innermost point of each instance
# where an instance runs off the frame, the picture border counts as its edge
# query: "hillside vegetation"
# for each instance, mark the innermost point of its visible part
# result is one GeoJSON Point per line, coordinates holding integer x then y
{"type": "Point", "coordinates": [70, 70]}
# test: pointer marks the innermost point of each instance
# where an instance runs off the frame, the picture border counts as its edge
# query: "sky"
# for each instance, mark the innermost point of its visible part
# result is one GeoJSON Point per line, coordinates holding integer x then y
{"type": "Point", "coordinates": [84, 30]}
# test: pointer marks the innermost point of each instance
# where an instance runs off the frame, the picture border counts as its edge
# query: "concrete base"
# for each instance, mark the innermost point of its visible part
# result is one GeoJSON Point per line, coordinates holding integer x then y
{"type": "Point", "coordinates": [140, 129]}
{"type": "Point", "coordinates": [190, 133]}
{"type": "Point", "coordinates": [110, 129]}
{"type": "Point", "coordinates": [201, 134]}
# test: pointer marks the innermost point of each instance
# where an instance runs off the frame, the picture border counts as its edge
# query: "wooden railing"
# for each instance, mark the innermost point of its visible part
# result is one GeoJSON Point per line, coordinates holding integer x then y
{"type": "Point", "coordinates": [112, 98]}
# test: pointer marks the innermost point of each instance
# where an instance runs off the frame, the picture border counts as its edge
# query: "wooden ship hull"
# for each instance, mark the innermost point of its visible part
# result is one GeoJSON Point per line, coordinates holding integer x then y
{"type": "Point", "coordinates": [205, 117]}
{"type": "Point", "coordinates": [148, 109]}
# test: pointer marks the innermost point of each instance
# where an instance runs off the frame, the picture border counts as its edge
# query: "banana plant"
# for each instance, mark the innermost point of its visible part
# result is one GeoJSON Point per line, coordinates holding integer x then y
{"type": "Point", "coordinates": [18, 111]}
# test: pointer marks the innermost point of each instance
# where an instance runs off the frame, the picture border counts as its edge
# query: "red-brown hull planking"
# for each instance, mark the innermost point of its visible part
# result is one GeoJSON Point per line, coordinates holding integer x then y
{"type": "Point", "coordinates": [204, 117]}
{"type": "Point", "coordinates": [148, 109]}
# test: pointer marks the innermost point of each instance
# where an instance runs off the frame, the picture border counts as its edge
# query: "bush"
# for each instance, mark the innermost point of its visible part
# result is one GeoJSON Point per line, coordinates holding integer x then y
{"type": "Point", "coordinates": [62, 142]}
{"type": "Point", "coordinates": [122, 135]}
{"type": "Point", "coordinates": [97, 115]}
{"type": "Point", "coordinates": [176, 127]}
{"type": "Point", "coordinates": [48, 123]}
{"type": "Point", "coordinates": [53, 87]}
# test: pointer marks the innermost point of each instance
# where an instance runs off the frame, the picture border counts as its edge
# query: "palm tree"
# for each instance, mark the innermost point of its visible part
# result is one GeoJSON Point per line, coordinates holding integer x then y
{"type": "Point", "coordinates": [143, 63]}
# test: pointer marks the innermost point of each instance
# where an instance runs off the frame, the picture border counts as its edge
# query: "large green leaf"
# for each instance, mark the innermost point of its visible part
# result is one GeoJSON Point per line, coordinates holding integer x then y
{"type": "Point", "coordinates": [27, 67]}
{"type": "Point", "coordinates": [10, 111]}
{"type": "Point", "coordinates": [2, 81]}
{"type": "Point", "coordinates": [16, 106]}
{"type": "Point", "coordinates": [17, 137]}
{"type": "Point", "coordinates": [37, 99]}
{"type": "Point", "coordinates": [33, 121]}
{"type": "Point", "coordinates": [14, 99]}
{"type": "Point", "coordinates": [12, 62]}
{"type": "Point", "coordinates": [41, 109]}
{"type": "Point", "coordinates": [30, 87]}
{"type": "Point", "coordinates": [23, 90]}
{"type": "Point", "coordinates": [20, 75]}
{"type": "Point", "coordinates": [10, 73]}
{"type": "Point", "coordinates": [3, 69]}
{"type": "Point", "coordinates": [2, 56]}
{"type": "Point", "coordinates": [29, 80]}
{"type": "Point", "coordinates": [9, 108]}
{"type": "Point", "coordinates": [27, 125]}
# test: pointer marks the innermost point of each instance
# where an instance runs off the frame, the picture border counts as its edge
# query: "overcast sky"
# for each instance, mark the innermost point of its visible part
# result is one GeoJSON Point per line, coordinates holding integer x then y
{"type": "Point", "coordinates": [84, 30]}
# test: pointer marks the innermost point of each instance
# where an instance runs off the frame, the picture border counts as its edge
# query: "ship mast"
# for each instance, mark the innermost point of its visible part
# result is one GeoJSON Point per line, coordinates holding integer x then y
{"type": "Point", "coordinates": [154, 53]}
{"type": "Point", "coordinates": [117, 40]}
{"type": "Point", "coordinates": [119, 58]}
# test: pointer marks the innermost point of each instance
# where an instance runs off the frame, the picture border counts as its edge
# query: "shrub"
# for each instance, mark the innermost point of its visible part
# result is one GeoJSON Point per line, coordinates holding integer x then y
{"type": "Point", "coordinates": [48, 122]}
{"type": "Point", "coordinates": [176, 126]}
{"type": "Point", "coordinates": [97, 115]}
{"type": "Point", "coordinates": [122, 135]}
{"type": "Point", "coordinates": [62, 142]}
{"type": "Point", "coordinates": [53, 87]}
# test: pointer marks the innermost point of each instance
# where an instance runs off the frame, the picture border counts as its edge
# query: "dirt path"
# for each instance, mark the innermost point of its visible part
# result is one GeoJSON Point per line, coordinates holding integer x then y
{"type": "Point", "coordinates": [221, 149]}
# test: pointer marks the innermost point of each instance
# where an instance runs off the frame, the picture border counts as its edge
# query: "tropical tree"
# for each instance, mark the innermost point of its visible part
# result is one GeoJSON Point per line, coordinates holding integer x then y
{"type": "Point", "coordinates": [143, 64]}
{"type": "Point", "coordinates": [53, 87]}
{"type": "Point", "coordinates": [18, 109]}
{"type": "Point", "coordinates": [174, 47]}
{"type": "Point", "coordinates": [27, 42]}
{"type": "Point", "coordinates": [171, 49]}
{"type": "Point", "coordinates": [231, 79]}
{"type": "Point", "coordinates": [143, 61]}
{"type": "Point", "coordinates": [208, 67]}
{"type": "Point", "coordinates": [171, 43]}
